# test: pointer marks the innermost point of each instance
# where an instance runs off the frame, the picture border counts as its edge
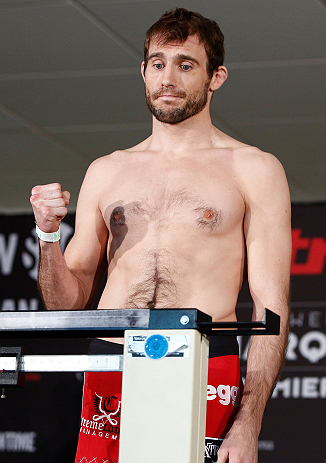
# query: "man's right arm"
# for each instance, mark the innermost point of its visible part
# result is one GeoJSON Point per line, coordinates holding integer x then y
{"type": "Point", "coordinates": [68, 282]}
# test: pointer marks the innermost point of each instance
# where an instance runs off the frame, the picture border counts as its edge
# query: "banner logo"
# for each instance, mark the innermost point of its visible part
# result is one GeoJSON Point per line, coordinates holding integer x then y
{"type": "Point", "coordinates": [308, 254]}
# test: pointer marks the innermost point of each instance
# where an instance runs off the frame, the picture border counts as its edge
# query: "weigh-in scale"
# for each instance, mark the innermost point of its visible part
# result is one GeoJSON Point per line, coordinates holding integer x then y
{"type": "Point", "coordinates": [165, 366]}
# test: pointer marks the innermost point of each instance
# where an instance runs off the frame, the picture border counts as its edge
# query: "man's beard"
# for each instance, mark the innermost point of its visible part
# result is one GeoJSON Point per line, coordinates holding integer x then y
{"type": "Point", "coordinates": [193, 104]}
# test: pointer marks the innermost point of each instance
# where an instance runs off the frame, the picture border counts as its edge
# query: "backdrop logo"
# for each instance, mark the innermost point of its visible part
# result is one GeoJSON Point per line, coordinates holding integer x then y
{"type": "Point", "coordinates": [15, 245]}
{"type": "Point", "coordinates": [312, 346]}
{"type": "Point", "coordinates": [311, 250]}
{"type": "Point", "coordinates": [30, 256]}
{"type": "Point", "coordinates": [12, 441]}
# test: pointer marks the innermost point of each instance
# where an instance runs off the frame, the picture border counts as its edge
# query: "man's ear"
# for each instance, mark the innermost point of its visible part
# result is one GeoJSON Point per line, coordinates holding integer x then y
{"type": "Point", "coordinates": [142, 70]}
{"type": "Point", "coordinates": [219, 77]}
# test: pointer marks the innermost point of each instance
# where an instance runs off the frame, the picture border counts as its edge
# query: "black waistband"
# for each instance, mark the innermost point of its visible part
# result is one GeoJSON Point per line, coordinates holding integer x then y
{"type": "Point", "coordinates": [223, 345]}
{"type": "Point", "coordinates": [218, 346]}
{"type": "Point", "coordinates": [99, 346]}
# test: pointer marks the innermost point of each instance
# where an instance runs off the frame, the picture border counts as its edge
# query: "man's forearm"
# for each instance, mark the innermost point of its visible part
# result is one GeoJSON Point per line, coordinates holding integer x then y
{"type": "Point", "coordinates": [265, 360]}
{"type": "Point", "coordinates": [59, 287]}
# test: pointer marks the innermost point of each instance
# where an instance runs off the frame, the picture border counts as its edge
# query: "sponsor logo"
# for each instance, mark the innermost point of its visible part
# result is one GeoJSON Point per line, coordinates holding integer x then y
{"type": "Point", "coordinates": [106, 421]}
{"type": "Point", "coordinates": [226, 394]}
{"type": "Point", "coordinates": [211, 448]}
{"type": "Point", "coordinates": [108, 409]}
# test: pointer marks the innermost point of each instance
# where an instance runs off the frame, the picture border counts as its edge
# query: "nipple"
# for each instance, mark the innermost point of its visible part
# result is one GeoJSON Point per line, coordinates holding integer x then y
{"type": "Point", "coordinates": [117, 216]}
{"type": "Point", "coordinates": [209, 214]}
{"type": "Point", "coordinates": [209, 217]}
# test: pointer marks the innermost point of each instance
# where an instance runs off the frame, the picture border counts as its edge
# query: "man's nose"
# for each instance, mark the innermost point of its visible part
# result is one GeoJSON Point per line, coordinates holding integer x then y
{"type": "Point", "coordinates": [168, 77]}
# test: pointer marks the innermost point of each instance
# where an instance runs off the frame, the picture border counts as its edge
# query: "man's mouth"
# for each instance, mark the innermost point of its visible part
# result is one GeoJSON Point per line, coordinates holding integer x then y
{"type": "Point", "coordinates": [164, 94]}
{"type": "Point", "coordinates": [168, 96]}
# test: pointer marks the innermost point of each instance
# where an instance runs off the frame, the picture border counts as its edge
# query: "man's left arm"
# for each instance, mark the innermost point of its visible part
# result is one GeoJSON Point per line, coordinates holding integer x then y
{"type": "Point", "coordinates": [267, 229]}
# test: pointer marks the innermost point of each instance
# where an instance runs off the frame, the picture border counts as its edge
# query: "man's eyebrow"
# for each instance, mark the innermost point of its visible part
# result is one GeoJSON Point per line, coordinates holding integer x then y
{"type": "Point", "coordinates": [186, 57]}
{"type": "Point", "coordinates": [157, 54]}
{"type": "Point", "coordinates": [178, 57]}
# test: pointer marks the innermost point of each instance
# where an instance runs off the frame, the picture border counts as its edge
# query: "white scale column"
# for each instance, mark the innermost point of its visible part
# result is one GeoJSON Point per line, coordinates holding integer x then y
{"type": "Point", "coordinates": [163, 413]}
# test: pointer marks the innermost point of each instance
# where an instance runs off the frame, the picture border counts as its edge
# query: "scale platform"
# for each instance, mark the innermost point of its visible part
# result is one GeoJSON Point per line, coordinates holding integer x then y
{"type": "Point", "coordinates": [113, 323]}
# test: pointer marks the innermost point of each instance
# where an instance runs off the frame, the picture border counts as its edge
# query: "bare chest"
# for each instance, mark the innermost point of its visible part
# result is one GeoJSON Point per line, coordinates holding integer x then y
{"type": "Point", "coordinates": [209, 202]}
{"type": "Point", "coordinates": [168, 228]}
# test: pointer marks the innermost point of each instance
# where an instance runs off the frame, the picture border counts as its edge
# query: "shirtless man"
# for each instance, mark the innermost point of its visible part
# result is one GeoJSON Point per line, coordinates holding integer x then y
{"type": "Point", "coordinates": [181, 217]}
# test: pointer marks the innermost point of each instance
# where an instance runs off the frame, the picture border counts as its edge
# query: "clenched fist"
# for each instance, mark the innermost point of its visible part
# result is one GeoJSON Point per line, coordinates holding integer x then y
{"type": "Point", "coordinates": [49, 206]}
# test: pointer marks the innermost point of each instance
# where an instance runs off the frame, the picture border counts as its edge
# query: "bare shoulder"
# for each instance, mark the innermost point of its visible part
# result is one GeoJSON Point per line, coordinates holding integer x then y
{"type": "Point", "coordinates": [250, 162]}
{"type": "Point", "coordinates": [106, 166]}
{"type": "Point", "coordinates": [109, 163]}
{"type": "Point", "coordinates": [253, 160]}
{"type": "Point", "coordinates": [259, 173]}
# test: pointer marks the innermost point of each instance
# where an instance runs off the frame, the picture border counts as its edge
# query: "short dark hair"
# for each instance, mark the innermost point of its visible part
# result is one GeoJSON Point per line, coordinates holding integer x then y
{"type": "Point", "coordinates": [178, 24]}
